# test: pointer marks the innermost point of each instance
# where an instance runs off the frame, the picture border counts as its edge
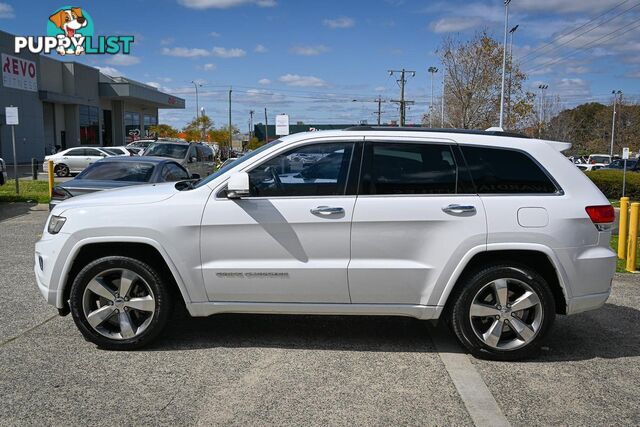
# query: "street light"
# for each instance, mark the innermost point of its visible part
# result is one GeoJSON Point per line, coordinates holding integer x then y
{"type": "Point", "coordinates": [431, 70]}
{"type": "Point", "coordinates": [613, 120]}
{"type": "Point", "coordinates": [541, 117]}
{"type": "Point", "coordinates": [511, 31]}
{"type": "Point", "coordinates": [504, 59]}
{"type": "Point", "coordinates": [196, 85]}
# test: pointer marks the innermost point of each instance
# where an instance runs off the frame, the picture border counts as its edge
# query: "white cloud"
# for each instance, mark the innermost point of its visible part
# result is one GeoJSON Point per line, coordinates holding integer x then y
{"type": "Point", "coordinates": [215, 34]}
{"type": "Point", "coordinates": [123, 60]}
{"type": "Point", "coordinates": [6, 11]}
{"type": "Point", "coordinates": [165, 79]}
{"type": "Point", "coordinates": [566, 6]}
{"type": "Point", "coordinates": [454, 24]}
{"type": "Point", "coordinates": [573, 87]}
{"type": "Point", "coordinates": [167, 41]}
{"type": "Point", "coordinates": [264, 81]}
{"type": "Point", "coordinates": [302, 81]}
{"type": "Point", "coordinates": [341, 22]}
{"type": "Point", "coordinates": [260, 49]}
{"type": "Point", "coordinates": [309, 50]}
{"type": "Point", "coordinates": [225, 4]}
{"type": "Point", "coordinates": [154, 84]}
{"type": "Point", "coordinates": [209, 67]}
{"type": "Point", "coordinates": [227, 53]}
{"type": "Point", "coordinates": [380, 89]}
{"type": "Point", "coordinates": [185, 52]}
{"type": "Point", "coordinates": [110, 71]}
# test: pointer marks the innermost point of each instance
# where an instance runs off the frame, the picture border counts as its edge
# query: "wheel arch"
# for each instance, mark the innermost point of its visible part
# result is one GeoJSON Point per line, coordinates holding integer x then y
{"type": "Point", "coordinates": [537, 257]}
{"type": "Point", "coordinates": [145, 250]}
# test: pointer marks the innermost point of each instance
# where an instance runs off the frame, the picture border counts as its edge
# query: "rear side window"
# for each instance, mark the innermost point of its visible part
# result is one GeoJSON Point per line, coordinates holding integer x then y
{"type": "Point", "coordinates": [409, 168]}
{"type": "Point", "coordinates": [501, 171]}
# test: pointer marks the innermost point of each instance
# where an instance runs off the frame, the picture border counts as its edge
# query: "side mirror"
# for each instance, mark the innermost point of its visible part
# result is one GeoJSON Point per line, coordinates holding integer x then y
{"type": "Point", "coordinates": [192, 159]}
{"type": "Point", "coordinates": [195, 176]}
{"type": "Point", "coordinates": [238, 185]}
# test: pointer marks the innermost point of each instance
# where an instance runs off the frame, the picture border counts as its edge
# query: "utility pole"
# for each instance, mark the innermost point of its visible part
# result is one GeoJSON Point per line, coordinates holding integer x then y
{"type": "Point", "coordinates": [613, 120]}
{"type": "Point", "coordinates": [197, 102]}
{"type": "Point", "coordinates": [511, 31]}
{"type": "Point", "coordinates": [251, 124]}
{"type": "Point", "coordinates": [230, 130]}
{"type": "Point", "coordinates": [202, 114]}
{"type": "Point", "coordinates": [444, 75]}
{"type": "Point", "coordinates": [402, 102]}
{"type": "Point", "coordinates": [379, 101]}
{"type": "Point", "coordinates": [433, 71]}
{"type": "Point", "coordinates": [541, 115]}
{"type": "Point", "coordinates": [504, 59]}
{"type": "Point", "coordinates": [266, 126]}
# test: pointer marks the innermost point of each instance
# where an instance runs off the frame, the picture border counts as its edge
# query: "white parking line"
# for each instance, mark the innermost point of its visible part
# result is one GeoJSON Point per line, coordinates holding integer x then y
{"type": "Point", "coordinates": [475, 394]}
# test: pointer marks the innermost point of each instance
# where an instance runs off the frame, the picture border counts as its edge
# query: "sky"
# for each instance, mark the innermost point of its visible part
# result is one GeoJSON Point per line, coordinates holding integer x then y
{"type": "Point", "coordinates": [312, 59]}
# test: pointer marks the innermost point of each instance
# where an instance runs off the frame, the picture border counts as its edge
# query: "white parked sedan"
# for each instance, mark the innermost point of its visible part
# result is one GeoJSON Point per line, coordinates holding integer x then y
{"type": "Point", "coordinates": [74, 160]}
{"type": "Point", "coordinates": [3, 172]}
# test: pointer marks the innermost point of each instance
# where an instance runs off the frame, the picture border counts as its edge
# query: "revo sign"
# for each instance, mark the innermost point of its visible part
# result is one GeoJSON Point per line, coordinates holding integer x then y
{"type": "Point", "coordinates": [19, 73]}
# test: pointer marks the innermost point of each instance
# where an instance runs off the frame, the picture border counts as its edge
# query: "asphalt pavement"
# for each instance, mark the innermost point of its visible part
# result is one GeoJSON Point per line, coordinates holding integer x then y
{"type": "Point", "coordinates": [301, 370]}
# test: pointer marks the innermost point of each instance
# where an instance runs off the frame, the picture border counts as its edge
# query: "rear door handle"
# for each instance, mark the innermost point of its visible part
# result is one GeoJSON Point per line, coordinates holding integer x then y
{"type": "Point", "coordinates": [327, 210]}
{"type": "Point", "coordinates": [459, 209]}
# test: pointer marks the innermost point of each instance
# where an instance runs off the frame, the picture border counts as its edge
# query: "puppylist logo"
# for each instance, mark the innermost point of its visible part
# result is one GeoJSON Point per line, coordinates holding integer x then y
{"type": "Point", "coordinates": [70, 32]}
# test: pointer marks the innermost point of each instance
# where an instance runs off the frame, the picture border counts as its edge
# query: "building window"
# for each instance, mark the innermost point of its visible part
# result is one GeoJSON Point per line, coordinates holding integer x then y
{"type": "Point", "coordinates": [132, 125]}
{"type": "Point", "coordinates": [148, 122]}
{"type": "Point", "coordinates": [89, 125]}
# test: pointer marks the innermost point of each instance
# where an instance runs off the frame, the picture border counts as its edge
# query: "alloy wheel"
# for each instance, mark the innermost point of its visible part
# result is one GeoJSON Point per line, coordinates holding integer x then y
{"type": "Point", "coordinates": [118, 304]}
{"type": "Point", "coordinates": [506, 314]}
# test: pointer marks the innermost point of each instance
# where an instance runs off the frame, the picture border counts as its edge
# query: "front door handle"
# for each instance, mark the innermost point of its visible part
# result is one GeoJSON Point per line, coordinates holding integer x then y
{"type": "Point", "coordinates": [327, 210]}
{"type": "Point", "coordinates": [459, 209]}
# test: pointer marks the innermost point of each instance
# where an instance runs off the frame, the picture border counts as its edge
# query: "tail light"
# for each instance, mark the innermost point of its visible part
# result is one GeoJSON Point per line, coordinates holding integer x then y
{"type": "Point", "coordinates": [602, 216]}
{"type": "Point", "coordinates": [60, 193]}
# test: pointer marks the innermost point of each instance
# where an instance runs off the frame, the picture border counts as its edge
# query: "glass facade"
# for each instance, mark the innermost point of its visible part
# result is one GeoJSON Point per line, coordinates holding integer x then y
{"type": "Point", "coordinates": [149, 121]}
{"type": "Point", "coordinates": [132, 126]}
{"type": "Point", "coordinates": [89, 125]}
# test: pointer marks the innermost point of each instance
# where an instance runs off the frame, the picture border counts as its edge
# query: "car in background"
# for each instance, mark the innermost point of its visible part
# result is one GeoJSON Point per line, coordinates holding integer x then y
{"type": "Point", "coordinates": [74, 160]}
{"type": "Point", "coordinates": [589, 167]}
{"type": "Point", "coordinates": [3, 172]}
{"type": "Point", "coordinates": [197, 158]}
{"type": "Point", "coordinates": [135, 151]}
{"type": "Point", "coordinates": [632, 165]}
{"type": "Point", "coordinates": [229, 160]}
{"type": "Point", "coordinates": [120, 171]}
{"type": "Point", "coordinates": [119, 151]}
{"type": "Point", "coordinates": [141, 143]}
{"type": "Point", "coordinates": [602, 159]}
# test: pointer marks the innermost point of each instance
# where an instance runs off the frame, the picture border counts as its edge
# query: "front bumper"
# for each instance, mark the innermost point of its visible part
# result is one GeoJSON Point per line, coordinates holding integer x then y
{"type": "Point", "coordinates": [50, 256]}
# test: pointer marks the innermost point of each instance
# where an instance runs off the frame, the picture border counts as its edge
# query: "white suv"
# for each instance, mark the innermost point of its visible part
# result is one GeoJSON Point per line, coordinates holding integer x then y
{"type": "Point", "coordinates": [493, 232]}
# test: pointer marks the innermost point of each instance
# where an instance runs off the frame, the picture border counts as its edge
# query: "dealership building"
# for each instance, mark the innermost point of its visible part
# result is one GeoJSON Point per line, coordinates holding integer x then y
{"type": "Point", "coordinates": [69, 104]}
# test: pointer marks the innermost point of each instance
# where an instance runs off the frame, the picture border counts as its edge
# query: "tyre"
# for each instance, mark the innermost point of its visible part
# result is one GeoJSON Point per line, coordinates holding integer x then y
{"type": "Point", "coordinates": [502, 312]}
{"type": "Point", "coordinates": [61, 170]}
{"type": "Point", "coordinates": [120, 303]}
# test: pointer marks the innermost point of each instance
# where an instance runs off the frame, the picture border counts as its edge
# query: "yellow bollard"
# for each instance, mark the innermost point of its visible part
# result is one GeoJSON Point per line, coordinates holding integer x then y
{"type": "Point", "coordinates": [50, 176]}
{"type": "Point", "coordinates": [623, 227]}
{"type": "Point", "coordinates": [633, 237]}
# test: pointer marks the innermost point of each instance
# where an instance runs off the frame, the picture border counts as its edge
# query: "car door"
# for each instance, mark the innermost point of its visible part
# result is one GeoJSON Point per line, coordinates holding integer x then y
{"type": "Point", "coordinates": [289, 240]}
{"type": "Point", "coordinates": [91, 156]}
{"type": "Point", "coordinates": [416, 216]}
{"type": "Point", "coordinates": [72, 158]}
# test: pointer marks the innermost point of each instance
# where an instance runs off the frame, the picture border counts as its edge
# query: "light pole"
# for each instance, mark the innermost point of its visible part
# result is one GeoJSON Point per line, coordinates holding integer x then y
{"type": "Point", "coordinates": [504, 59]}
{"type": "Point", "coordinates": [511, 31]}
{"type": "Point", "coordinates": [433, 71]}
{"type": "Point", "coordinates": [196, 85]}
{"type": "Point", "coordinates": [444, 75]}
{"type": "Point", "coordinates": [541, 117]}
{"type": "Point", "coordinates": [202, 114]}
{"type": "Point", "coordinates": [613, 120]}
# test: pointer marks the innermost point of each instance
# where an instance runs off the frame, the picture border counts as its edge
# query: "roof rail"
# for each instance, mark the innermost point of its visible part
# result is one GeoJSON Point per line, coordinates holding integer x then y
{"type": "Point", "coordinates": [423, 129]}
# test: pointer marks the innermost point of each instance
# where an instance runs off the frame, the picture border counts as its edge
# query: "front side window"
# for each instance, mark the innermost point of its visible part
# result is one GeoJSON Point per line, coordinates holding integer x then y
{"type": "Point", "coordinates": [310, 170]}
{"type": "Point", "coordinates": [76, 152]}
{"type": "Point", "coordinates": [503, 171]}
{"type": "Point", "coordinates": [408, 168]}
{"type": "Point", "coordinates": [118, 171]}
{"type": "Point", "coordinates": [172, 172]}
{"type": "Point", "coordinates": [88, 125]}
{"type": "Point", "coordinates": [92, 152]}
{"type": "Point", "coordinates": [161, 149]}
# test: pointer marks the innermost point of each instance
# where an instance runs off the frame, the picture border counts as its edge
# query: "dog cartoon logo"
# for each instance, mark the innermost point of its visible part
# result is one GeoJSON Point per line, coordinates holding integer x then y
{"type": "Point", "coordinates": [70, 20]}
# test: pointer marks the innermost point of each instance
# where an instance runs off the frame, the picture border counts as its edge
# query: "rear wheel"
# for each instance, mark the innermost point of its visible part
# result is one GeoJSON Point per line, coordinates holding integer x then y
{"type": "Point", "coordinates": [120, 303]}
{"type": "Point", "coordinates": [503, 312]}
{"type": "Point", "coordinates": [61, 170]}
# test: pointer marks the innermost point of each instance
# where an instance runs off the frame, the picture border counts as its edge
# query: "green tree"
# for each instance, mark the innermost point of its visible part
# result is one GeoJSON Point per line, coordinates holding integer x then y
{"type": "Point", "coordinates": [163, 131]}
{"type": "Point", "coordinates": [197, 128]}
{"type": "Point", "coordinates": [221, 135]}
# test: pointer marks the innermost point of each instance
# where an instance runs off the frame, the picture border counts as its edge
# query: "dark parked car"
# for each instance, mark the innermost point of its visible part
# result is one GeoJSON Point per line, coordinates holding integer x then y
{"type": "Point", "coordinates": [116, 172]}
{"type": "Point", "coordinates": [632, 165]}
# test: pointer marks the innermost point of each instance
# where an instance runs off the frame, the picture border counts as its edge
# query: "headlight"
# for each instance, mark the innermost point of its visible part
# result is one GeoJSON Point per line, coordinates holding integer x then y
{"type": "Point", "coordinates": [60, 193]}
{"type": "Point", "coordinates": [55, 224]}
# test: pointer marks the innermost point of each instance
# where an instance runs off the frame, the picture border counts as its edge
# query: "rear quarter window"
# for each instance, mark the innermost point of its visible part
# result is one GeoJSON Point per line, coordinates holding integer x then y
{"type": "Point", "coordinates": [504, 171]}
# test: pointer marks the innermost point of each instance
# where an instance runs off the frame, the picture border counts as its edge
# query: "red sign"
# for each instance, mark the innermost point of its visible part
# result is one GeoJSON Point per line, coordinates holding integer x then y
{"type": "Point", "coordinates": [18, 73]}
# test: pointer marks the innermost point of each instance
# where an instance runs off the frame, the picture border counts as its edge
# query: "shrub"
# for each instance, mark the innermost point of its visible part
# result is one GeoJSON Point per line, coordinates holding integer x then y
{"type": "Point", "coordinates": [610, 183]}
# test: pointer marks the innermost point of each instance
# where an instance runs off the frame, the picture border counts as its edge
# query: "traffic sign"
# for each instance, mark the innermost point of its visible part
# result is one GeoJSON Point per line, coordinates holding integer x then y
{"type": "Point", "coordinates": [11, 114]}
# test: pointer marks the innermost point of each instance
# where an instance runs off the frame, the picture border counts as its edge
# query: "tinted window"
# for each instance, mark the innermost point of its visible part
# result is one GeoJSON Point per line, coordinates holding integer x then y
{"type": "Point", "coordinates": [172, 172]}
{"type": "Point", "coordinates": [502, 171]}
{"type": "Point", "coordinates": [92, 152]}
{"type": "Point", "coordinates": [311, 170]}
{"type": "Point", "coordinates": [174, 151]}
{"type": "Point", "coordinates": [75, 152]}
{"type": "Point", "coordinates": [118, 171]}
{"type": "Point", "coordinates": [407, 168]}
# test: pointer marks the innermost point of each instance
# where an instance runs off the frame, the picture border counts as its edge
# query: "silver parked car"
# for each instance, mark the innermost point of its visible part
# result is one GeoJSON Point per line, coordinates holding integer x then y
{"type": "Point", "coordinates": [197, 158]}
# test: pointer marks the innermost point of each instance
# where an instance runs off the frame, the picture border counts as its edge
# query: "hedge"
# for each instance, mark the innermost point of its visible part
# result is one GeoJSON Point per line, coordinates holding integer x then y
{"type": "Point", "coordinates": [610, 183]}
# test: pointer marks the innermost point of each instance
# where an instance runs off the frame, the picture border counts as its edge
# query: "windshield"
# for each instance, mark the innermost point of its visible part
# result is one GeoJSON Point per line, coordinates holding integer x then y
{"type": "Point", "coordinates": [237, 162]}
{"type": "Point", "coordinates": [118, 171]}
{"type": "Point", "coordinates": [600, 159]}
{"type": "Point", "coordinates": [163, 149]}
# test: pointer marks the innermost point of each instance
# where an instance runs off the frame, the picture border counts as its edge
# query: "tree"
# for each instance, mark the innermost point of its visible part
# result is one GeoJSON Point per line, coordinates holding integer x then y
{"type": "Point", "coordinates": [254, 143]}
{"type": "Point", "coordinates": [473, 83]}
{"type": "Point", "coordinates": [197, 128]}
{"type": "Point", "coordinates": [163, 131]}
{"type": "Point", "coordinates": [221, 135]}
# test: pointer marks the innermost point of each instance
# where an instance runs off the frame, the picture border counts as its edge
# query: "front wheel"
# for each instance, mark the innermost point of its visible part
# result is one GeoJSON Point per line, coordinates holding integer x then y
{"type": "Point", "coordinates": [503, 312]}
{"type": "Point", "coordinates": [62, 170]}
{"type": "Point", "coordinates": [120, 303]}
